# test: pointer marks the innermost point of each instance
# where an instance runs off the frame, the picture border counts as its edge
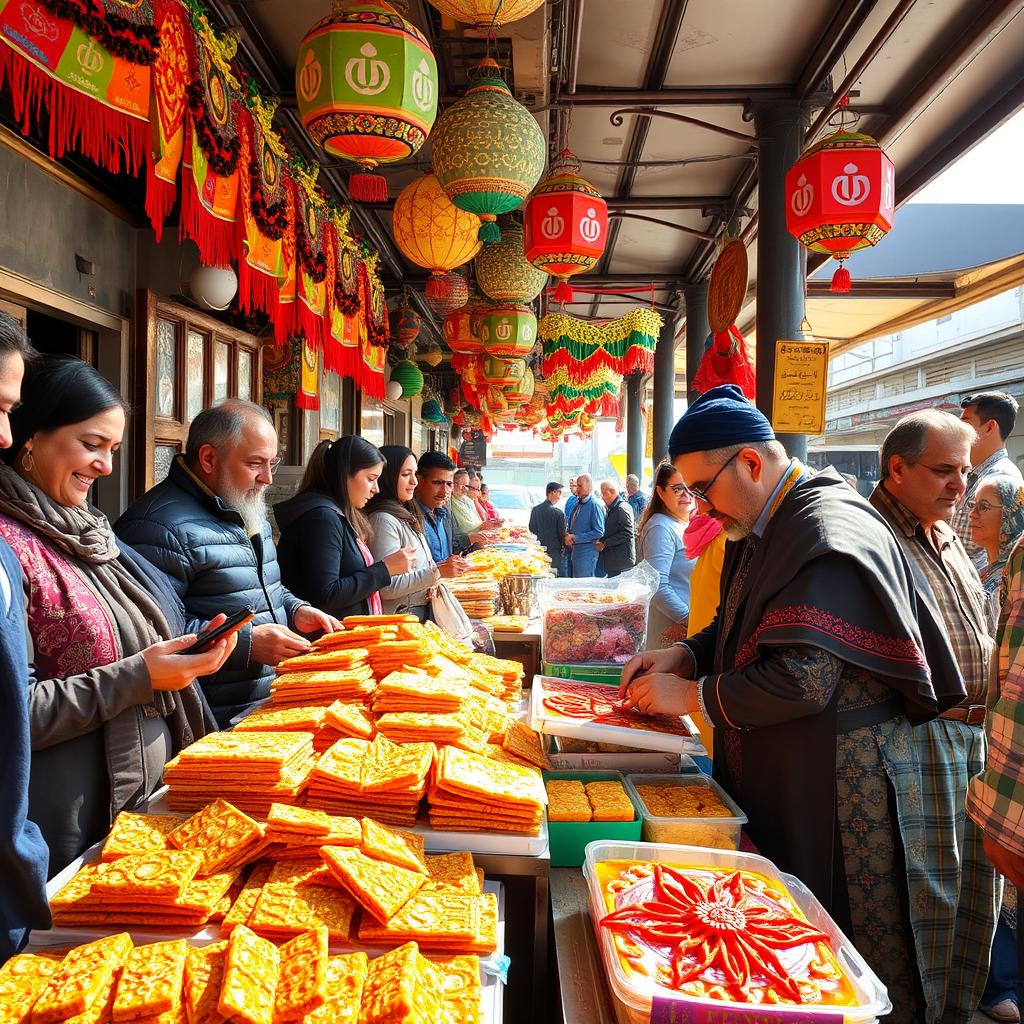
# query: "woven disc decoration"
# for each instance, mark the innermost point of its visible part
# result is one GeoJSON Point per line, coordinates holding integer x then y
{"type": "Point", "coordinates": [488, 150]}
{"type": "Point", "coordinates": [503, 272]}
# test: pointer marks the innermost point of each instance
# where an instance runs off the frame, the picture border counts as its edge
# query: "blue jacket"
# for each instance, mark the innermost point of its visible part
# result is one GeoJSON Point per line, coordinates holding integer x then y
{"type": "Point", "coordinates": [201, 544]}
{"type": "Point", "coordinates": [439, 531]}
{"type": "Point", "coordinates": [23, 854]}
{"type": "Point", "coordinates": [586, 521]}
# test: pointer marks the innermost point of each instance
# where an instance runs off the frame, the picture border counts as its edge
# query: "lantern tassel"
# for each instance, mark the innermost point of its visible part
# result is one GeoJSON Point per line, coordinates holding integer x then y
{"type": "Point", "coordinates": [489, 232]}
{"type": "Point", "coordinates": [365, 187]}
{"type": "Point", "coordinates": [841, 283]}
{"type": "Point", "coordinates": [563, 291]}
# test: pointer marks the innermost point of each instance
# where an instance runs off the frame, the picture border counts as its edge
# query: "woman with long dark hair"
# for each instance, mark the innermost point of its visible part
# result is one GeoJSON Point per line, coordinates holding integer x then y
{"type": "Point", "coordinates": [111, 698]}
{"type": "Point", "coordinates": [396, 525]}
{"type": "Point", "coordinates": [323, 550]}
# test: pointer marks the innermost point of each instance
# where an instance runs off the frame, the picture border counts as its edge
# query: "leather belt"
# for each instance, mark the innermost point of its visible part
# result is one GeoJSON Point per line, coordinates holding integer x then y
{"type": "Point", "coordinates": [972, 714]}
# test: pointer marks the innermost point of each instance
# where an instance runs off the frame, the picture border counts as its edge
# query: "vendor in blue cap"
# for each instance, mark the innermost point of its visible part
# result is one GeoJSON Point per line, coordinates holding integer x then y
{"type": "Point", "coordinates": [816, 667]}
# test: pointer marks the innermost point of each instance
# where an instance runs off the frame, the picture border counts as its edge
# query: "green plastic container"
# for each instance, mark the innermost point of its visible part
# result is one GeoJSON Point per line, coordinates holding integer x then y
{"type": "Point", "coordinates": [609, 675]}
{"type": "Point", "coordinates": [567, 840]}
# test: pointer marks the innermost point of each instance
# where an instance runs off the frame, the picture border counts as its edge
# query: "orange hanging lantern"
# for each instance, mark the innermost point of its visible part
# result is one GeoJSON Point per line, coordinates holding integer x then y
{"type": "Point", "coordinates": [566, 224]}
{"type": "Point", "coordinates": [459, 335]}
{"type": "Point", "coordinates": [840, 197]}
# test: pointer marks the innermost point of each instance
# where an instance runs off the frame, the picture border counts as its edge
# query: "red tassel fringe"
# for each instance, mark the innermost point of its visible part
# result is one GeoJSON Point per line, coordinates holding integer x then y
{"type": "Point", "coordinates": [312, 326]}
{"type": "Point", "coordinates": [370, 382]}
{"type": "Point", "coordinates": [109, 138]}
{"type": "Point", "coordinates": [217, 239]}
{"type": "Point", "coordinates": [284, 323]}
{"type": "Point", "coordinates": [160, 198]}
{"type": "Point", "coordinates": [256, 290]}
{"type": "Point", "coordinates": [563, 291]}
{"type": "Point", "coordinates": [304, 401]}
{"type": "Point", "coordinates": [368, 188]}
{"type": "Point", "coordinates": [841, 283]}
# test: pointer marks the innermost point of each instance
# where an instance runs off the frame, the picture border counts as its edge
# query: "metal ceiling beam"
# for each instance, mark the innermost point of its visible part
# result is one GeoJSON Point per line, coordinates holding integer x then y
{"type": "Point", "coordinates": [682, 228]}
{"type": "Point", "coordinates": [835, 41]}
{"type": "Point", "coordinates": [616, 118]}
{"type": "Point", "coordinates": [695, 96]}
{"type": "Point", "coordinates": [629, 203]}
{"type": "Point", "coordinates": [885, 290]}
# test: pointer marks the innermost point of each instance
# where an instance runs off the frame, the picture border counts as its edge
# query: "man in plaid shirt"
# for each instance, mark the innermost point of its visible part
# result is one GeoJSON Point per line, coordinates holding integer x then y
{"type": "Point", "coordinates": [925, 461]}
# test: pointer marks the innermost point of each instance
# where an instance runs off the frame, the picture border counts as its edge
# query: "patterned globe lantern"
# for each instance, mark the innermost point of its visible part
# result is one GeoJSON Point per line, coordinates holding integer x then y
{"type": "Point", "coordinates": [409, 375]}
{"type": "Point", "coordinates": [485, 13]}
{"type": "Point", "coordinates": [405, 325]}
{"type": "Point", "coordinates": [459, 335]}
{"type": "Point", "coordinates": [488, 150]}
{"type": "Point", "coordinates": [840, 197]}
{"type": "Point", "coordinates": [504, 273]}
{"type": "Point", "coordinates": [503, 373]}
{"type": "Point", "coordinates": [450, 293]}
{"type": "Point", "coordinates": [521, 391]}
{"type": "Point", "coordinates": [435, 234]}
{"type": "Point", "coordinates": [566, 224]}
{"type": "Point", "coordinates": [431, 355]}
{"type": "Point", "coordinates": [508, 331]}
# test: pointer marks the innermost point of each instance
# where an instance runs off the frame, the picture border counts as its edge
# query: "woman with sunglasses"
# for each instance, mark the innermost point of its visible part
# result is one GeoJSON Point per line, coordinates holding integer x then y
{"type": "Point", "coordinates": [661, 543]}
{"type": "Point", "coordinates": [996, 515]}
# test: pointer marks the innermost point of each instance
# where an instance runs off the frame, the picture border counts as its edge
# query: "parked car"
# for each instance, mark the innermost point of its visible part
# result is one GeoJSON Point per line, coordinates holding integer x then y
{"type": "Point", "coordinates": [513, 502]}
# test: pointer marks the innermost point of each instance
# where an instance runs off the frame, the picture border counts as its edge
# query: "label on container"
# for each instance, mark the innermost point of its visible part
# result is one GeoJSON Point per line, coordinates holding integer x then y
{"type": "Point", "coordinates": [684, 1011]}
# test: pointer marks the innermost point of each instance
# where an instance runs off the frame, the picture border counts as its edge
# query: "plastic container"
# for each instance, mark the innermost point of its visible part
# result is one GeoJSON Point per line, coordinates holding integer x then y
{"type": "Point", "coordinates": [568, 839]}
{"type": "Point", "coordinates": [609, 675]}
{"type": "Point", "coordinates": [566, 754]}
{"type": "Point", "coordinates": [633, 998]}
{"type": "Point", "coordinates": [712, 833]}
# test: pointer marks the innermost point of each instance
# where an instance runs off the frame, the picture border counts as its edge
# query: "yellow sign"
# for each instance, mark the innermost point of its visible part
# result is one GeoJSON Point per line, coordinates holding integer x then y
{"type": "Point", "coordinates": [801, 375]}
{"type": "Point", "coordinates": [648, 414]}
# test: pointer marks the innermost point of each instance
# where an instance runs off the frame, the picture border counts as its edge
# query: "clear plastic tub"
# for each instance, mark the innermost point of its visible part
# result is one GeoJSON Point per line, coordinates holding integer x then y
{"type": "Point", "coordinates": [716, 833]}
{"type": "Point", "coordinates": [633, 998]}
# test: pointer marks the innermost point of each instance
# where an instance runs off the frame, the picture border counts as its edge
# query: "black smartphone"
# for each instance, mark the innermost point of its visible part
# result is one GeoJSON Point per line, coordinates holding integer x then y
{"type": "Point", "coordinates": [466, 551]}
{"type": "Point", "coordinates": [208, 637]}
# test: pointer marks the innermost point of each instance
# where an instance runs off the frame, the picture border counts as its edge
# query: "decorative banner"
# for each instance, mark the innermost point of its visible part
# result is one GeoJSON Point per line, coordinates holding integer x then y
{"type": "Point", "coordinates": [801, 377]}
{"type": "Point", "coordinates": [726, 361]}
{"type": "Point", "coordinates": [287, 297]}
{"type": "Point", "coordinates": [281, 370]}
{"type": "Point", "coordinates": [728, 286]}
{"type": "Point", "coordinates": [341, 347]}
{"type": "Point", "coordinates": [580, 348]}
{"type": "Point", "coordinates": [374, 359]}
{"type": "Point", "coordinates": [209, 195]}
{"type": "Point", "coordinates": [167, 112]}
{"type": "Point", "coordinates": [316, 257]}
{"type": "Point", "coordinates": [94, 85]}
{"type": "Point", "coordinates": [306, 397]}
{"type": "Point", "coordinates": [372, 300]}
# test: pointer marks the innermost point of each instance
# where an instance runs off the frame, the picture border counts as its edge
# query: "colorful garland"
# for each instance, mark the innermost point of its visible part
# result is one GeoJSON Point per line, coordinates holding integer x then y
{"type": "Point", "coordinates": [625, 345]}
{"type": "Point", "coordinates": [134, 38]}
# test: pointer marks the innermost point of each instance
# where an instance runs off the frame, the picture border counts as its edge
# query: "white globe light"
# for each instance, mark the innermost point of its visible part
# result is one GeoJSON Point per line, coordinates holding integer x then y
{"type": "Point", "coordinates": [213, 287]}
{"type": "Point", "coordinates": [394, 390]}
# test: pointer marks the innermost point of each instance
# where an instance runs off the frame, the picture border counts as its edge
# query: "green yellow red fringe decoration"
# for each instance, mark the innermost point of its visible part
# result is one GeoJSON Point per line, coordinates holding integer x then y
{"type": "Point", "coordinates": [580, 347]}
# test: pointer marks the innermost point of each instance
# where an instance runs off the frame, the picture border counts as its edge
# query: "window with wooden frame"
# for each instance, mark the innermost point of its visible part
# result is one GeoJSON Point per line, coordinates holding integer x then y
{"type": "Point", "coordinates": [185, 362]}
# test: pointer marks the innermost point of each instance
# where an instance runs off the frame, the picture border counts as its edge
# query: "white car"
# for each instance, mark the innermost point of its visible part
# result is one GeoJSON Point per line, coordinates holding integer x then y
{"type": "Point", "coordinates": [513, 502]}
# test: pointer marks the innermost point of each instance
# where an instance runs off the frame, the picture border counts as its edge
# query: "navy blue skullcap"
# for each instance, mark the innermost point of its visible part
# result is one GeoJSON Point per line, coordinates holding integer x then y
{"type": "Point", "coordinates": [720, 418]}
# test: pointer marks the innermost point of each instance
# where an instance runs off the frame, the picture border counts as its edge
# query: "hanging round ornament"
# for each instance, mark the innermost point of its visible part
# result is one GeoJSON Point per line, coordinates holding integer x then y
{"type": "Point", "coordinates": [566, 224]}
{"type": "Point", "coordinates": [503, 272]}
{"type": "Point", "coordinates": [459, 335]}
{"type": "Point", "coordinates": [433, 233]}
{"type": "Point", "coordinates": [503, 373]}
{"type": "Point", "coordinates": [431, 355]}
{"type": "Point", "coordinates": [450, 292]}
{"type": "Point", "coordinates": [508, 331]}
{"type": "Point", "coordinates": [409, 375]}
{"type": "Point", "coordinates": [405, 325]}
{"type": "Point", "coordinates": [840, 197]}
{"type": "Point", "coordinates": [520, 392]}
{"type": "Point", "coordinates": [432, 412]}
{"type": "Point", "coordinates": [483, 14]}
{"type": "Point", "coordinates": [488, 150]}
{"type": "Point", "coordinates": [366, 83]}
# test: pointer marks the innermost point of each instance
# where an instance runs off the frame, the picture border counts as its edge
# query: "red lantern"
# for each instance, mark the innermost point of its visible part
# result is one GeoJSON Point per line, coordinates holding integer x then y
{"type": "Point", "coordinates": [566, 224]}
{"type": "Point", "coordinates": [459, 335]}
{"type": "Point", "coordinates": [840, 197]}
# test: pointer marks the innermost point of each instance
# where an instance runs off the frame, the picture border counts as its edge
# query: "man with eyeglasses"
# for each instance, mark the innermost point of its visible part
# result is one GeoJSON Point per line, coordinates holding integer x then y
{"type": "Point", "coordinates": [206, 527]}
{"type": "Point", "coordinates": [924, 465]}
{"type": "Point", "coordinates": [811, 674]}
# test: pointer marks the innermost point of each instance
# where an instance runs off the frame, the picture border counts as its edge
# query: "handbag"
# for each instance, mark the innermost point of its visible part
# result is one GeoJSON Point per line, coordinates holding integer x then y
{"type": "Point", "coordinates": [449, 614]}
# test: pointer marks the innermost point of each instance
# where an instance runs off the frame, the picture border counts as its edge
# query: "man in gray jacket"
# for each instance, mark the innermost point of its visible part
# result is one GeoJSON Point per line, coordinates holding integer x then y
{"type": "Point", "coordinates": [618, 545]}
{"type": "Point", "coordinates": [206, 527]}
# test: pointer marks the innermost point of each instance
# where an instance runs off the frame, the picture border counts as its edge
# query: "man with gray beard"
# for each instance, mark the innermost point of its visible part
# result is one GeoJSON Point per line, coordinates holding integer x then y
{"type": "Point", "coordinates": [206, 527]}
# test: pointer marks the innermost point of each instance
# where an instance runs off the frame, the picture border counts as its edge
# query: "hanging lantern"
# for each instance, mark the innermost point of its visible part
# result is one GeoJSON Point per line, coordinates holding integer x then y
{"type": "Point", "coordinates": [450, 293]}
{"type": "Point", "coordinates": [409, 375]}
{"type": "Point", "coordinates": [566, 224]}
{"type": "Point", "coordinates": [432, 356]}
{"type": "Point", "coordinates": [366, 83]}
{"type": "Point", "coordinates": [840, 197]}
{"type": "Point", "coordinates": [521, 391]}
{"type": "Point", "coordinates": [504, 273]}
{"type": "Point", "coordinates": [485, 13]}
{"type": "Point", "coordinates": [405, 325]}
{"type": "Point", "coordinates": [508, 331]}
{"type": "Point", "coordinates": [432, 232]}
{"type": "Point", "coordinates": [459, 335]}
{"type": "Point", "coordinates": [503, 373]}
{"type": "Point", "coordinates": [432, 412]}
{"type": "Point", "coordinates": [393, 391]}
{"type": "Point", "coordinates": [488, 150]}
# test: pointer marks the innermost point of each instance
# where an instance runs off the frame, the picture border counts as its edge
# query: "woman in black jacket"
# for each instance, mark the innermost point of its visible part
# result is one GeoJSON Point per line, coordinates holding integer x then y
{"type": "Point", "coordinates": [323, 554]}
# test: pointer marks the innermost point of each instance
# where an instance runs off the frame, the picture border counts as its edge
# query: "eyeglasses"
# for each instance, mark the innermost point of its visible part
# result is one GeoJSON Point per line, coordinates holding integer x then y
{"type": "Point", "coordinates": [984, 507]}
{"type": "Point", "coordinates": [702, 492]}
{"type": "Point", "coordinates": [678, 489]}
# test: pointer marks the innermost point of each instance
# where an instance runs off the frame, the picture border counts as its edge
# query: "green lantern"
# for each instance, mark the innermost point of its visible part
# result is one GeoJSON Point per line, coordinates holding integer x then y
{"type": "Point", "coordinates": [366, 84]}
{"type": "Point", "coordinates": [432, 412]}
{"type": "Point", "coordinates": [488, 151]}
{"type": "Point", "coordinates": [409, 375]}
{"type": "Point", "coordinates": [503, 373]}
{"type": "Point", "coordinates": [508, 331]}
{"type": "Point", "coordinates": [504, 273]}
{"type": "Point", "coordinates": [521, 391]}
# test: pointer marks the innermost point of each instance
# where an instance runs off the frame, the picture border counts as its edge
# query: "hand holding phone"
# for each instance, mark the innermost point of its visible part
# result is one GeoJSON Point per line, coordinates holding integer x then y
{"type": "Point", "coordinates": [208, 637]}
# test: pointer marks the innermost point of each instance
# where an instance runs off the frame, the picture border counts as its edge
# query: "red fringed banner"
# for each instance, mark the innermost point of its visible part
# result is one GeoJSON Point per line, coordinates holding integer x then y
{"type": "Point", "coordinates": [726, 362]}
{"type": "Point", "coordinates": [96, 101]}
{"type": "Point", "coordinates": [286, 320]}
{"type": "Point", "coordinates": [315, 259]}
{"type": "Point", "coordinates": [341, 346]}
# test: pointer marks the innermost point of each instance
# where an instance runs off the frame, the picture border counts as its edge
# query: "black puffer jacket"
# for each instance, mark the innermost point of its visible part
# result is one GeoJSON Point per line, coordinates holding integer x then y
{"type": "Point", "coordinates": [320, 557]}
{"type": "Point", "coordinates": [187, 531]}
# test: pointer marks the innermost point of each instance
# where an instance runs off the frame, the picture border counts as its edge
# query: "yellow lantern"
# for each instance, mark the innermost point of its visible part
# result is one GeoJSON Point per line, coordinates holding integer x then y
{"type": "Point", "coordinates": [485, 13]}
{"type": "Point", "coordinates": [432, 232]}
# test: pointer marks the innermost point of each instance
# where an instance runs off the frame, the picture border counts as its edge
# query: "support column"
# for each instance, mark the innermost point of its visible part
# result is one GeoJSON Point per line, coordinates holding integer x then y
{"type": "Point", "coordinates": [697, 330]}
{"type": "Point", "coordinates": [664, 387]}
{"type": "Point", "coordinates": [781, 261]}
{"type": "Point", "coordinates": [634, 428]}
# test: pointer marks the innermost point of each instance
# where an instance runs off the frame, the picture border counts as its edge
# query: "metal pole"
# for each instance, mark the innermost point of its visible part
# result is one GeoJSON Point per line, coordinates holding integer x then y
{"type": "Point", "coordinates": [697, 330]}
{"type": "Point", "coordinates": [780, 259]}
{"type": "Point", "coordinates": [664, 388]}
{"type": "Point", "coordinates": [634, 428]}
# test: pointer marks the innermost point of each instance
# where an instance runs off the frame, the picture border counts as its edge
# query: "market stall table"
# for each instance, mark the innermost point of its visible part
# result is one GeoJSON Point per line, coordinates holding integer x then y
{"type": "Point", "coordinates": [523, 647]}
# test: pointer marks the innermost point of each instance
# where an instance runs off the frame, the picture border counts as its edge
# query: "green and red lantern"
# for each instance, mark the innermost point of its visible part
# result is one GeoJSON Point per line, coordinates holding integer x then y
{"type": "Point", "coordinates": [508, 331]}
{"type": "Point", "coordinates": [566, 224]}
{"type": "Point", "coordinates": [520, 391]}
{"type": "Point", "coordinates": [366, 83]}
{"type": "Point", "coordinates": [840, 197]}
{"type": "Point", "coordinates": [503, 373]}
